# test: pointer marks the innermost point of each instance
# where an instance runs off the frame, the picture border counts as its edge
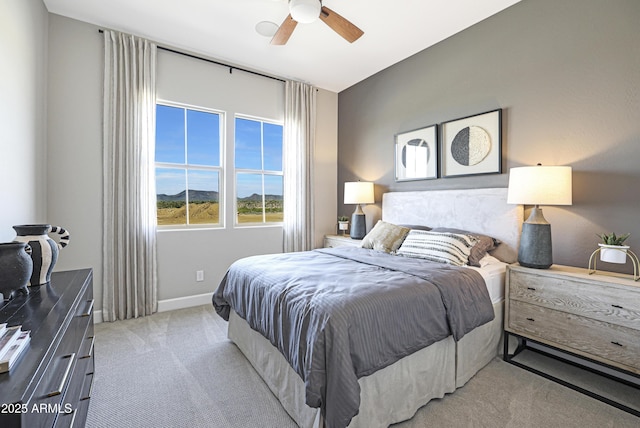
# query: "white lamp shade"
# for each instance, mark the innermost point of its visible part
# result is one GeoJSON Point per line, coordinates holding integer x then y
{"type": "Point", "coordinates": [540, 185]}
{"type": "Point", "coordinates": [304, 11]}
{"type": "Point", "coordinates": [358, 192]}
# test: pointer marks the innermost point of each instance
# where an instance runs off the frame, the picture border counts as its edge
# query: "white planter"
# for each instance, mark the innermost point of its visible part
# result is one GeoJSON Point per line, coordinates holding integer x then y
{"type": "Point", "coordinates": [613, 253]}
{"type": "Point", "coordinates": [343, 225]}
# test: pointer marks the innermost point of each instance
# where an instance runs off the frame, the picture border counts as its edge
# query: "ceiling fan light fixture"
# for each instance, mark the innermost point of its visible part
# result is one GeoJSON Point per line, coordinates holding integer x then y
{"type": "Point", "coordinates": [305, 11]}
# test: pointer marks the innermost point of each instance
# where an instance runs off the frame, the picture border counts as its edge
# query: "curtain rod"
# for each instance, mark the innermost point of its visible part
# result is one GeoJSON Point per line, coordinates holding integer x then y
{"type": "Point", "coordinates": [231, 67]}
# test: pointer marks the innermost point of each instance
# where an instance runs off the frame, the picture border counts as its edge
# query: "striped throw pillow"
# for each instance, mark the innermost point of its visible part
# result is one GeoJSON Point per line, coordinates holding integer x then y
{"type": "Point", "coordinates": [451, 248]}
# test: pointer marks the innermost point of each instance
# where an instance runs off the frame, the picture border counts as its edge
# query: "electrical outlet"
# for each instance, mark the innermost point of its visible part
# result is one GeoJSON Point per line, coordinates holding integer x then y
{"type": "Point", "coordinates": [199, 275]}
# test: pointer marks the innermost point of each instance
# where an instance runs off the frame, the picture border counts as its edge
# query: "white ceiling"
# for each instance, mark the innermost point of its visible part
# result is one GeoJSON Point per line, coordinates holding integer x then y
{"type": "Point", "coordinates": [225, 30]}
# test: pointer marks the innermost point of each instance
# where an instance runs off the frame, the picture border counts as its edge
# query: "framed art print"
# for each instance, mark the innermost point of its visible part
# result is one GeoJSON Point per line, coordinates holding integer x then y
{"type": "Point", "coordinates": [417, 154]}
{"type": "Point", "coordinates": [472, 145]}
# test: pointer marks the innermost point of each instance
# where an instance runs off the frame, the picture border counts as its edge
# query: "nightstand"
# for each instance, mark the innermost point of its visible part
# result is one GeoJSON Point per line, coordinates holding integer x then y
{"type": "Point", "coordinates": [594, 317]}
{"type": "Point", "coordinates": [331, 241]}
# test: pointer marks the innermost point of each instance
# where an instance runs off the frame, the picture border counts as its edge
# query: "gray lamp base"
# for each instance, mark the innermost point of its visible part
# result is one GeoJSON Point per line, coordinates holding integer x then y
{"type": "Point", "coordinates": [535, 246]}
{"type": "Point", "coordinates": [358, 225]}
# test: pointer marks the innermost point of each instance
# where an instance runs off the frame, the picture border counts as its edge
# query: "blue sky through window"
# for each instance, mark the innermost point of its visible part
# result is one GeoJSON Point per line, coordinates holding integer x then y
{"type": "Point", "coordinates": [169, 134]}
{"type": "Point", "coordinates": [202, 132]}
{"type": "Point", "coordinates": [257, 142]}
{"type": "Point", "coordinates": [203, 137]}
{"type": "Point", "coordinates": [247, 144]}
{"type": "Point", "coordinates": [202, 148]}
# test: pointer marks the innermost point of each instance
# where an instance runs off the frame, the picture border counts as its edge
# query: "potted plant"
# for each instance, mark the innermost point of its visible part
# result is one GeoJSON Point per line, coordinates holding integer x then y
{"type": "Point", "coordinates": [343, 224]}
{"type": "Point", "coordinates": [612, 249]}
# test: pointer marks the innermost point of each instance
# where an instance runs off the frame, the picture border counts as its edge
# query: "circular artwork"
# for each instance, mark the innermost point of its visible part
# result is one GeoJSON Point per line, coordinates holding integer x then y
{"type": "Point", "coordinates": [470, 146]}
{"type": "Point", "coordinates": [413, 145]}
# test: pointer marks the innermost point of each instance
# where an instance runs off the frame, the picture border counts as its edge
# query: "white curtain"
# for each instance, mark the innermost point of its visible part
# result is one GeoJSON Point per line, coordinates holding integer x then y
{"type": "Point", "coordinates": [129, 232]}
{"type": "Point", "coordinates": [299, 140]}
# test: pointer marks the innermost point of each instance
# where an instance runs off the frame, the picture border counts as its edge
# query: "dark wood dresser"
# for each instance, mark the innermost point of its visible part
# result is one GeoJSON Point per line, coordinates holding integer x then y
{"type": "Point", "coordinates": [50, 385]}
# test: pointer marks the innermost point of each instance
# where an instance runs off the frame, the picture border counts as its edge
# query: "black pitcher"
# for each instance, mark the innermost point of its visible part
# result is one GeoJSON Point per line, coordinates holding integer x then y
{"type": "Point", "coordinates": [15, 268]}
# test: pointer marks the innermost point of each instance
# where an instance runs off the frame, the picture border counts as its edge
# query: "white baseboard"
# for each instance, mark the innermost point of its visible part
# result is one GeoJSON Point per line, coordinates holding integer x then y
{"type": "Point", "coordinates": [171, 304]}
{"type": "Point", "coordinates": [184, 302]}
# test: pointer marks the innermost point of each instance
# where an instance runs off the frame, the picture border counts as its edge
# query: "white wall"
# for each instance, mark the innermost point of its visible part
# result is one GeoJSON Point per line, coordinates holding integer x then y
{"type": "Point", "coordinates": [326, 166]}
{"type": "Point", "coordinates": [74, 143]}
{"type": "Point", "coordinates": [75, 161]}
{"type": "Point", "coordinates": [23, 82]}
{"type": "Point", "coordinates": [181, 252]}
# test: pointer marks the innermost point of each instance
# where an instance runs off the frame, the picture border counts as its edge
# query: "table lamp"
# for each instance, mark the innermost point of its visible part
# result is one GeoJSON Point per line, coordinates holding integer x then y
{"type": "Point", "coordinates": [538, 185]}
{"type": "Point", "coordinates": [358, 192]}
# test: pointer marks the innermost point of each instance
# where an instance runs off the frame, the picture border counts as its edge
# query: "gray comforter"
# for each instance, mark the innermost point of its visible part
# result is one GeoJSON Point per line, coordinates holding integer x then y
{"type": "Point", "coordinates": [342, 313]}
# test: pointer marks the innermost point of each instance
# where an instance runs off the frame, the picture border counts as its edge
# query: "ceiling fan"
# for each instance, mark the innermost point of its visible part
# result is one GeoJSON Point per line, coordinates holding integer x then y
{"type": "Point", "coordinates": [307, 11]}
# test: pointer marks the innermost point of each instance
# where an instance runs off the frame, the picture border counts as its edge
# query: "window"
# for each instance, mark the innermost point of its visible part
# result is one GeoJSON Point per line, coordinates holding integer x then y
{"type": "Point", "coordinates": [188, 165]}
{"type": "Point", "coordinates": [259, 178]}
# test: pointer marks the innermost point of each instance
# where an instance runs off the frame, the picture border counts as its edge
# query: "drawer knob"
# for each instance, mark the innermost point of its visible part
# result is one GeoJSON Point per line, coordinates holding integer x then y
{"type": "Point", "coordinates": [617, 306]}
{"type": "Point", "coordinates": [617, 343]}
{"type": "Point", "coordinates": [531, 288]}
{"type": "Point", "coordinates": [530, 319]}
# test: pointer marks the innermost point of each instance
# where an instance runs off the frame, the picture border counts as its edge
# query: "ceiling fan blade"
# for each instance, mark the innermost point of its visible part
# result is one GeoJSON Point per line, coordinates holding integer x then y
{"type": "Point", "coordinates": [284, 32]}
{"type": "Point", "coordinates": [340, 25]}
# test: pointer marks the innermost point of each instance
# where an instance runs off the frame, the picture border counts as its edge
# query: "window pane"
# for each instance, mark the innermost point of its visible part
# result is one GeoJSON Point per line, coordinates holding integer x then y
{"type": "Point", "coordinates": [273, 198]}
{"type": "Point", "coordinates": [169, 134]}
{"type": "Point", "coordinates": [249, 199]}
{"type": "Point", "coordinates": [248, 144]}
{"type": "Point", "coordinates": [203, 197]}
{"type": "Point", "coordinates": [272, 147]}
{"type": "Point", "coordinates": [203, 138]}
{"type": "Point", "coordinates": [171, 196]}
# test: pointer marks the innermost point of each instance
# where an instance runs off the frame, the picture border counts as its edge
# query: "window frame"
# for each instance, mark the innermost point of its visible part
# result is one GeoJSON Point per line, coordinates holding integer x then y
{"type": "Point", "coordinates": [186, 167]}
{"type": "Point", "coordinates": [261, 172]}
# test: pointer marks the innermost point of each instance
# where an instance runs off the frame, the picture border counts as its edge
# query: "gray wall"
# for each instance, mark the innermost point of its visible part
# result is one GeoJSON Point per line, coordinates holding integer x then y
{"type": "Point", "coordinates": [567, 76]}
{"type": "Point", "coordinates": [23, 85]}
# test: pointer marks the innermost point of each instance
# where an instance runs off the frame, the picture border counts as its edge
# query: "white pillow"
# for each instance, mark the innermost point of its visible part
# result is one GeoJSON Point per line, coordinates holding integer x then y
{"type": "Point", "coordinates": [451, 248]}
{"type": "Point", "coordinates": [487, 260]}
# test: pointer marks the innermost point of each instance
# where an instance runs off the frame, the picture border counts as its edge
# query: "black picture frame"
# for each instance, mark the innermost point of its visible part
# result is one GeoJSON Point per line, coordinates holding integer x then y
{"type": "Point", "coordinates": [471, 145]}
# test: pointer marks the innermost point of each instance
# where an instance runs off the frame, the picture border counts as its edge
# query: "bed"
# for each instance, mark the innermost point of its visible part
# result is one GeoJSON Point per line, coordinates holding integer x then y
{"type": "Point", "coordinates": [395, 390]}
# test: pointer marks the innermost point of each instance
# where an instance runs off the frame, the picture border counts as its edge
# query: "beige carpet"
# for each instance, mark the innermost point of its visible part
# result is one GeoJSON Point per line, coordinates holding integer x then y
{"type": "Point", "coordinates": [178, 369]}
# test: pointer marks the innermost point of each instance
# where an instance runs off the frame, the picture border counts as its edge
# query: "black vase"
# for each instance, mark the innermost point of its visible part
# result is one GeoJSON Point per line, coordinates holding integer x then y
{"type": "Point", "coordinates": [15, 268]}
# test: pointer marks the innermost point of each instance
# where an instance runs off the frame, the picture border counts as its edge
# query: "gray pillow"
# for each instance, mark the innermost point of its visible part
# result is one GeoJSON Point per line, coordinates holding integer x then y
{"type": "Point", "coordinates": [416, 227]}
{"type": "Point", "coordinates": [480, 249]}
{"type": "Point", "coordinates": [385, 237]}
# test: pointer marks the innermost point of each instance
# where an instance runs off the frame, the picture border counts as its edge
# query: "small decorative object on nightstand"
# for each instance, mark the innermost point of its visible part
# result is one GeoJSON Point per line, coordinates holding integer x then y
{"type": "Point", "coordinates": [593, 318]}
{"type": "Point", "coordinates": [343, 224]}
{"type": "Point", "coordinates": [612, 251]}
{"type": "Point", "coordinates": [332, 241]}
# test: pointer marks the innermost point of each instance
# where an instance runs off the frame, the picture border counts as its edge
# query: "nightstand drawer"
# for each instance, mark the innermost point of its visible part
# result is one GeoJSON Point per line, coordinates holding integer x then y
{"type": "Point", "coordinates": [609, 343]}
{"type": "Point", "coordinates": [599, 301]}
{"type": "Point", "coordinates": [332, 241]}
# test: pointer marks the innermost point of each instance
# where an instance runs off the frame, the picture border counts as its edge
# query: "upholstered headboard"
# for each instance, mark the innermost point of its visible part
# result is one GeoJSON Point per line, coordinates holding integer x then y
{"type": "Point", "coordinates": [476, 210]}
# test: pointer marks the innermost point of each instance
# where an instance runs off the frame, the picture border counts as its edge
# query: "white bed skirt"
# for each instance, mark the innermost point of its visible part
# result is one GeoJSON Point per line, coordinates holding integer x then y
{"type": "Point", "coordinates": [388, 396]}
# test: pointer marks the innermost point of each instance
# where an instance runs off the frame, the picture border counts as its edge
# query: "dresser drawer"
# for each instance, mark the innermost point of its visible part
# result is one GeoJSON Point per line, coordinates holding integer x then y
{"type": "Point", "coordinates": [58, 392]}
{"type": "Point", "coordinates": [613, 305]}
{"type": "Point", "coordinates": [612, 344]}
{"type": "Point", "coordinates": [43, 382]}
